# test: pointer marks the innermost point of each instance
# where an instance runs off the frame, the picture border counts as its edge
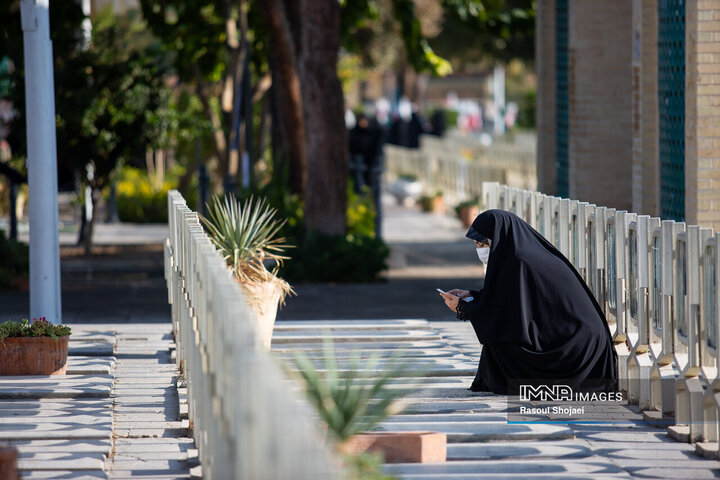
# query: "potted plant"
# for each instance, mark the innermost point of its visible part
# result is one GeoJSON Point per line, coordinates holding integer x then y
{"type": "Point", "coordinates": [433, 203]}
{"type": "Point", "coordinates": [247, 235]}
{"type": "Point", "coordinates": [406, 187]}
{"type": "Point", "coordinates": [467, 211]}
{"type": "Point", "coordinates": [352, 401]}
{"type": "Point", "coordinates": [37, 348]}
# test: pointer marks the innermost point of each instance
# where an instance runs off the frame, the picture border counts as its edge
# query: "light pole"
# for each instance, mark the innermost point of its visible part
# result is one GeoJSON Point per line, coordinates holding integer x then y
{"type": "Point", "coordinates": [41, 162]}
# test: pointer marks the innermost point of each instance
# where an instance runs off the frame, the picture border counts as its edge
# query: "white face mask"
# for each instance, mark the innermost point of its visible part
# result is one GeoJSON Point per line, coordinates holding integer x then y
{"type": "Point", "coordinates": [483, 253]}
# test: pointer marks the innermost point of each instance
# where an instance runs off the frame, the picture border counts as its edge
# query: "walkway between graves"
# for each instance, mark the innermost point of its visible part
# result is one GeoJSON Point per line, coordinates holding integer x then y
{"type": "Point", "coordinates": [481, 443]}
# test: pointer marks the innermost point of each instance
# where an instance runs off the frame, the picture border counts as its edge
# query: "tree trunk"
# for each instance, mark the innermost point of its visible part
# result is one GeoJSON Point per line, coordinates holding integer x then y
{"type": "Point", "coordinates": [286, 83]}
{"type": "Point", "coordinates": [236, 33]}
{"type": "Point", "coordinates": [327, 149]}
{"type": "Point", "coordinates": [261, 133]}
{"type": "Point", "coordinates": [219, 140]}
{"type": "Point", "coordinates": [277, 139]}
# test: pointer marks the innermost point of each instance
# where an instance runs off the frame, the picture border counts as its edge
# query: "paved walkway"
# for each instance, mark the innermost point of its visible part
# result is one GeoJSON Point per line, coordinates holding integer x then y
{"type": "Point", "coordinates": [116, 414]}
{"type": "Point", "coordinates": [481, 444]}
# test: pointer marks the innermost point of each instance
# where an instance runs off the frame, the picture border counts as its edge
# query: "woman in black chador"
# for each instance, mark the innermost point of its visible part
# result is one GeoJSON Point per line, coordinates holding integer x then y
{"type": "Point", "coordinates": [535, 317]}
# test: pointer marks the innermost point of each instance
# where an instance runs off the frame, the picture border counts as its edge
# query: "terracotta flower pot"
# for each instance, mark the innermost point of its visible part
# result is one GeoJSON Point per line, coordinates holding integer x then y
{"type": "Point", "coordinates": [400, 447]}
{"type": "Point", "coordinates": [433, 204]}
{"type": "Point", "coordinates": [33, 356]}
{"type": "Point", "coordinates": [8, 462]}
{"type": "Point", "coordinates": [468, 214]}
{"type": "Point", "coordinates": [263, 299]}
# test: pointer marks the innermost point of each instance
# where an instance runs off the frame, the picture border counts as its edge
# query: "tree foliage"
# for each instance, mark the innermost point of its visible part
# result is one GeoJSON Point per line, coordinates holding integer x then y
{"type": "Point", "coordinates": [111, 100]}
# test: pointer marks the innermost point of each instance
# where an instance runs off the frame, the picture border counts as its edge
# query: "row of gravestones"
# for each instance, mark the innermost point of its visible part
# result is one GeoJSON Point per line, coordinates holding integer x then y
{"type": "Point", "coordinates": [657, 282]}
{"type": "Point", "coordinates": [239, 406]}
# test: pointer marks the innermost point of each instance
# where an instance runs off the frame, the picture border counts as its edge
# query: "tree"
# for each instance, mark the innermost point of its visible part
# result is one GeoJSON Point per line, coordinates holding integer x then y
{"type": "Point", "coordinates": [111, 100]}
{"type": "Point", "coordinates": [210, 41]}
{"type": "Point", "coordinates": [286, 86]}
{"type": "Point", "coordinates": [326, 195]}
{"type": "Point", "coordinates": [305, 38]}
{"type": "Point", "coordinates": [489, 31]}
{"type": "Point", "coordinates": [300, 40]}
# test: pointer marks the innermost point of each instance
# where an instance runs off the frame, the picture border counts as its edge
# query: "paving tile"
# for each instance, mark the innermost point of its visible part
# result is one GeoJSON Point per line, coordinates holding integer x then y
{"type": "Point", "coordinates": [589, 467]}
{"type": "Point", "coordinates": [558, 449]}
{"type": "Point", "coordinates": [63, 474]}
{"type": "Point", "coordinates": [55, 386]}
{"type": "Point", "coordinates": [73, 461]}
{"type": "Point", "coordinates": [481, 431]}
{"type": "Point", "coordinates": [63, 447]}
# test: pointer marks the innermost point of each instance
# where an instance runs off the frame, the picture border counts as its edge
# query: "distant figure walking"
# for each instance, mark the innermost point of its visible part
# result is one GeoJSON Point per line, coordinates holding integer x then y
{"type": "Point", "coordinates": [365, 145]}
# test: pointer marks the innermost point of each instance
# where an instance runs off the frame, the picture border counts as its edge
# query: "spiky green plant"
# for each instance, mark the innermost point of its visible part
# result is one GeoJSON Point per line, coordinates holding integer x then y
{"type": "Point", "coordinates": [247, 235]}
{"type": "Point", "coordinates": [354, 400]}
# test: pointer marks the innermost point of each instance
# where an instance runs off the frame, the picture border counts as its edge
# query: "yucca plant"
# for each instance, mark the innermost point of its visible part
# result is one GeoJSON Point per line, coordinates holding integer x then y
{"type": "Point", "coordinates": [247, 235]}
{"type": "Point", "coordinates": [356, 400]}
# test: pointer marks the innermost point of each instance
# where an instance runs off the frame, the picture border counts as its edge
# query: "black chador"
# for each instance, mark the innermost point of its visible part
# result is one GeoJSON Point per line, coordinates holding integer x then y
{"type": "Point", "coordinates": [536, 318]}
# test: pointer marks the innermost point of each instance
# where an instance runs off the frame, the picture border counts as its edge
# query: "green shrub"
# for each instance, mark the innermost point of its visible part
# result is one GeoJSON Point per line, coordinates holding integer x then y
{"type": "Point", "coordinates": [336, 258]}
{"type": "Point", "coordinates": [357, 256]}
{"type": "Point", "coordinates": [138, 200]}
{"type": "Point", "coordinates": [15, 260]}
{"type": "Point", "coordinates": [361, 213]}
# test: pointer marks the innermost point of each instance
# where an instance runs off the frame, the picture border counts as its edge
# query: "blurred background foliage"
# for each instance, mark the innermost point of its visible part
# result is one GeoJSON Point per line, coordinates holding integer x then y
{"type": "Point", "coordinates": [152, 97]}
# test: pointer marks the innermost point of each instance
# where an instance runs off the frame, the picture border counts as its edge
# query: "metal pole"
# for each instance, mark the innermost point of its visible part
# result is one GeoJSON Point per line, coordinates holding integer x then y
{"type": "Point", "coordinates": [41, 162]}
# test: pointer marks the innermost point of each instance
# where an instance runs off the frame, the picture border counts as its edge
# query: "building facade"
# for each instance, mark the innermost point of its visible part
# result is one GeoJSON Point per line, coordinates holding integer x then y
{"type": "Point", "coordinates": [628, 109]}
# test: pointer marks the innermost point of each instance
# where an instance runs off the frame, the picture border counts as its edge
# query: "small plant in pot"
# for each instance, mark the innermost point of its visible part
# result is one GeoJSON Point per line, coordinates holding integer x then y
{"type": "Point", "coordinates": [37, 348]}
{"type": "Point", "coordinates": [433, 203]}
{"type": "Point", "coordinates": [467, 211]}
{"type": "Point", "coordinates": [354, 398]}
{"type": "Point", "coordinates": [247, 235]}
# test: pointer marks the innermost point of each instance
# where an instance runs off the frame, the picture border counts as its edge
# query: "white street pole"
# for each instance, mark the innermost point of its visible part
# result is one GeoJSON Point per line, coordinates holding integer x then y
{"type": "Point", "coordinates": [41, 162]}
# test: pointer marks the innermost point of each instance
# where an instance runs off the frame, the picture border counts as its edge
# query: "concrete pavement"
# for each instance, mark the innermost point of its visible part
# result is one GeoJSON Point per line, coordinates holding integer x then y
{"type": "Point", "coordinates": [118, 413]}
{"type": "Point", "coordinates": [481, 442]}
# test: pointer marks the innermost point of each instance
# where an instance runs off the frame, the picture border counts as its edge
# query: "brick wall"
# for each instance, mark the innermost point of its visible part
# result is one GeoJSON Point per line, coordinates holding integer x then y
{"type": "Point", "coordinates": [702, 113]}
{"type": "Point", "coordinates": [637, 104]}
{"type": "Point", "coordinates": [646, 162]}
{"type": "Point", "coordinates": [601, 102]}
{"type": "Point", "coordinates": [545, 103]}
{"type": "Point", "coordinates": [650, 200]}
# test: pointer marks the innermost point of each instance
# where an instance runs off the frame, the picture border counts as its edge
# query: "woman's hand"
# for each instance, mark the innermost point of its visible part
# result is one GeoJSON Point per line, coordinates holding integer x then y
{"type": "Point", "coordinates": [459, 293]}
{"type": "Point", "coordinates": [451, 301]}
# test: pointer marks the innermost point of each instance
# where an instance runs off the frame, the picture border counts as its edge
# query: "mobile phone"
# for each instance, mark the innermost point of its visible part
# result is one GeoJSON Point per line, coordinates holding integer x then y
{"type": "Point", "coordinates": [439, 291]}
